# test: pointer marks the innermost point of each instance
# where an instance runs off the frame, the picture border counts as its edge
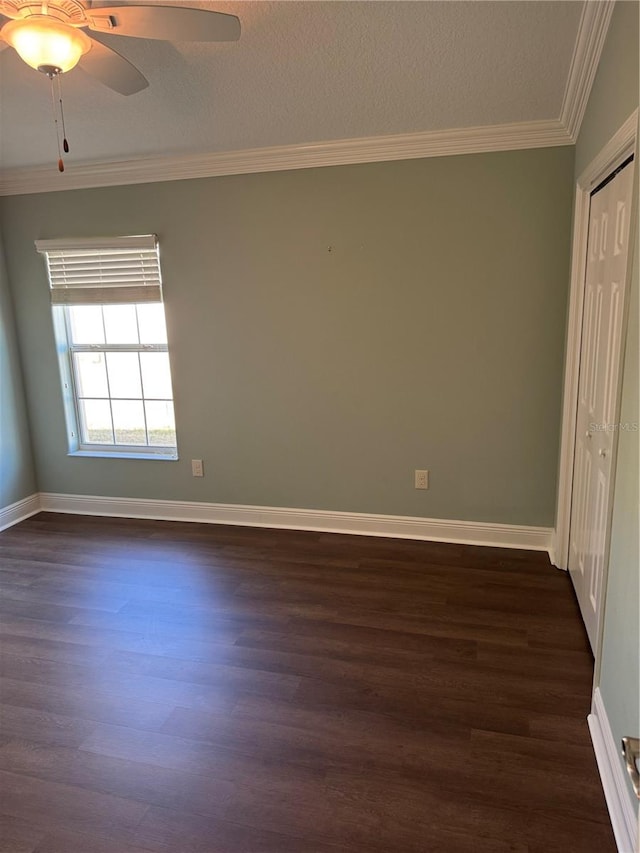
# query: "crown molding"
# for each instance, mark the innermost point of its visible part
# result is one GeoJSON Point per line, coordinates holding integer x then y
{"type": "Point", "coordinates": [592, 32]}
{"type": "Point", "coordinates": [338, 152]}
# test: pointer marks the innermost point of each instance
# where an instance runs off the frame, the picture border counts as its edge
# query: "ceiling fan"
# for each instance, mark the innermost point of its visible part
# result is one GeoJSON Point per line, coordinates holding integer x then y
{"type": "Point", "coordinates": [49, 35]}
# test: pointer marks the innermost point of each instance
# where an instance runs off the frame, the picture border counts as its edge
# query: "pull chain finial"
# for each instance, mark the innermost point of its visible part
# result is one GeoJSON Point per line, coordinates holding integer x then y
{"type": "Point", "coordinates": [54, 73]}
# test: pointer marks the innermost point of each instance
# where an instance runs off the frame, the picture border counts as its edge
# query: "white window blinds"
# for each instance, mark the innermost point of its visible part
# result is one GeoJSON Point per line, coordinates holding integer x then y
{"type": "Point", "coordinates": [108, 270]}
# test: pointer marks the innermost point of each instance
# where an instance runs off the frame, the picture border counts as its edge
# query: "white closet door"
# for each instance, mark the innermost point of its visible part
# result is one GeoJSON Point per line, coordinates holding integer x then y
{"type": "Point", "coordinates": [596, 432]}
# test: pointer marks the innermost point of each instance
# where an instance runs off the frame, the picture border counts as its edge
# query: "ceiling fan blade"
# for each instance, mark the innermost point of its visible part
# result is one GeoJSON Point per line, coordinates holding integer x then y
{"type": "Point", "coordinates": [116, 72]}
{"type": "Point", "coordinates": [171, 23]}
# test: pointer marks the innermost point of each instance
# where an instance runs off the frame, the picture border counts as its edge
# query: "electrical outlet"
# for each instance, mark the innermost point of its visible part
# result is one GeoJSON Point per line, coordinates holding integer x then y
{"type": "Point", "coordinates": [196, 468]}
{"type": "Point", "coordinates": [421, 479]}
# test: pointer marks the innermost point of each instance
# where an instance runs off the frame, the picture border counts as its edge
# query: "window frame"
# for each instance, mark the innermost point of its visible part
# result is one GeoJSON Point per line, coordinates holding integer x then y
{"type": "Point", "coordinates": [67, 350]}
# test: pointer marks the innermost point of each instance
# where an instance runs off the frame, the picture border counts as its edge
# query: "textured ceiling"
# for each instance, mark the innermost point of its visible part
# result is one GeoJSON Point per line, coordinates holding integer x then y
{"type": "Point", "coordinates": [305, 72]}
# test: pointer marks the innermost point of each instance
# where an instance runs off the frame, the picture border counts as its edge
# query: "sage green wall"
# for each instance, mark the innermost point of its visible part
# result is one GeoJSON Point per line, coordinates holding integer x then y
{"type": "Point", "coordinates": [614, 95]}
{"type": "Point", "coordinates": [17, 478]}
{"type": "Point", "coordinates": [333, 329]}
{"type": "Point", "coordinates": [620, 668]}
{"type": "Point", "coordinates": [613, 98]}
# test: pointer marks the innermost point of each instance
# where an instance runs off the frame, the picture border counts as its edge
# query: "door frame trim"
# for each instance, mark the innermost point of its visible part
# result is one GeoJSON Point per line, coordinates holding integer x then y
{"type": "Point", "coordinates": [621, 145]}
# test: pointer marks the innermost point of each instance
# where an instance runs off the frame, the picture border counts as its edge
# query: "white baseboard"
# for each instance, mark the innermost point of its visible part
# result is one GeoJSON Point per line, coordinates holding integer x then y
{"type": "Point", "coordinates": [12, 514]}
{"type": "Point", "coordinates": [623, 810]}
{"type": "Point", "coordinates": [364, 524]}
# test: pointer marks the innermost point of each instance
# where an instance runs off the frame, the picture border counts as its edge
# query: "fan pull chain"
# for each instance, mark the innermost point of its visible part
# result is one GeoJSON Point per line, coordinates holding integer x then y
{"type": "Point", "coordinates": [65, 144]}
{"type": "Point", "coordinates": [55, 121]}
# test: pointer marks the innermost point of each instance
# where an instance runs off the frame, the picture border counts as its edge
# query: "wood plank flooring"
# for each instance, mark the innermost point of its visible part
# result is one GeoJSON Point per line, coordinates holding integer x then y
{"type": "Point", "coordinates": [207, 689]}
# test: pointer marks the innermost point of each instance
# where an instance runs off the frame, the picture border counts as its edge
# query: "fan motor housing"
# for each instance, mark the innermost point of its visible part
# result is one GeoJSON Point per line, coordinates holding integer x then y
{"type": "Point", "coordinates": [68, 11]}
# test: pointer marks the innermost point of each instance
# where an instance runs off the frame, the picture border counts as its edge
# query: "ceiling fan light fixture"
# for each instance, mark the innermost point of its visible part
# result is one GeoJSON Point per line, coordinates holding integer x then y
{"type": "Point", "coordinates": [45, 43]}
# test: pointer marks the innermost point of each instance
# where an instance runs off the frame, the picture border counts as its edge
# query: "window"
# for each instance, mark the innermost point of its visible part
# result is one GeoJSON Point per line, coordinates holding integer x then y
{"type": "Point", "coordinates": [112, 345]}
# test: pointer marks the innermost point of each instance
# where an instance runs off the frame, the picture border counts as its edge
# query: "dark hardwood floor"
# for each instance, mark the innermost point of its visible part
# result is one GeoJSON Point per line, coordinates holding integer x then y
{"type": "Point", "coordinates": [203, 689]}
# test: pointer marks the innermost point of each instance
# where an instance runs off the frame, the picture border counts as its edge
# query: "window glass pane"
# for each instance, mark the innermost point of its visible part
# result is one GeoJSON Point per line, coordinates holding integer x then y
{"type": "Point", "coordinates": [120, 324]}
{"type": "Point", "coordinates": [156, 378]}
{"type": "Point", "coordinates": [91, 374]}
{"type": "Point", "coordinates": [151, 323]}
{"type": "Point", "coordinates": [95, 416]}
{"type": "Point", "coordinates": [160, 423]}
{"type": "Point", "coordinates": [86, 324]}
{"type": "Point", "coordinates": [123, 398]}
{"type": "Point", "coordinates": [124, 374]}
{"type": "Point", "coordinates": [128, 422]}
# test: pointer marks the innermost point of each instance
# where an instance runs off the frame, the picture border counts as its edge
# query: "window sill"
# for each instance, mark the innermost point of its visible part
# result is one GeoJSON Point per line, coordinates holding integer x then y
{"type": "Point", "coordinates": [117, 454]}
